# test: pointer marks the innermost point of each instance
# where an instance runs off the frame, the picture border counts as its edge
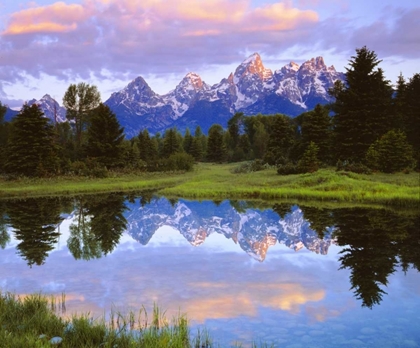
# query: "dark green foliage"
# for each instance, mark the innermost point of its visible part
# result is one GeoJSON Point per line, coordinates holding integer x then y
{"type": "Point", "coordinates": [391, 153]}
{"type": "Point", "coordinates": [180, 161]}
{"type": "Point", "coordinates": [147, 147]}
{"type": "Point", "coordinates": [187, 141]}
{"type": "Point", "coordinates": [280, 140]}
{"type": "Point", "coordinates": [309, 162]}
{"type": "Point", "coordinates": [34, 223]}
{"type": "Point", "coordinates": [287, 169]}
{"type": "Point", "coordinates": [3, 109]}
{"type": "Point", "coordinates": [196, 149]}
{"type": "Point", "coordinates": [234, 125]}
{"type": "Point", "coordinates": [408, 106]}
{"type": "Point", "coordinates": [354, 167]}
{"type": "Point", "coordinates": [216, 148]}
{"type": "Point", "coordinates": [362, 108]}
{"type": "Point", "coordinates": [260, 140]}
{"type": "Point", "coordinates": [4, 135]}
{"type": "Point", "coordinates": [316, 127]}
{"type": "Point", "coordinates": [31, 149]}
{"type": "Point", "coordinates": [171, 143]}
{"type": "Point", "coordinates": [105, 137]}
{"type": "Point", "coordinates": [90, 168]}
{"type": "Point", "coordinates": [79, 100]}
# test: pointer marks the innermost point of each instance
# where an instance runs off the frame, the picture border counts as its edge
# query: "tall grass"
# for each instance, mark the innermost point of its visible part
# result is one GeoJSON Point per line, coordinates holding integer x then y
{"type": "Point", "coordinates": [211, 181]}
{"type": "Point", "coordinates": [33, 320]}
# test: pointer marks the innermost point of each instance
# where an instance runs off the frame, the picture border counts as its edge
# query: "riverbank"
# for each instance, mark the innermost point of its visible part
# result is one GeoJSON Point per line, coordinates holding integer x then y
{"type": "Point", "coordinates": [211, 181]}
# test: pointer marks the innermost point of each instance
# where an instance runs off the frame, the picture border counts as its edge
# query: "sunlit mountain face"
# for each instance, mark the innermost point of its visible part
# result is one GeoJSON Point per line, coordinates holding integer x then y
{"type": "Point", "coordinates": [280, 273]}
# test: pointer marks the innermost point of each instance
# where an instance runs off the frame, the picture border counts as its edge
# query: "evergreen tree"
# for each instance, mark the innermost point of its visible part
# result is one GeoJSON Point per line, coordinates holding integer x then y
{"type": "Point", "coordinates": [260, 140]}
{"type": "Point", "coordinates": [79, 100]}
{"type": "Point", "coordinates": [391, 153]}
{"type": "Point", "coordinates": [412, 115]}
{"type": "Point", "coordinates": [233, 129]}
{"type": "Point", "coordinates": [148, 147]}
{"type": "Point", "coordinates": [362, 107]}
{"type": "Point", "coordinates": [187, 141]}
{"type": "Point", "coordinates": [216, 148]}
{"type": "Point", "coordinates": [316, 127]}
{"type": "Point", "coordinates": [309, 162]}
{"type": "Point", "coordinates": [196, 149]}
{"type": "Point", "coordinates": [105, 137]}
{"type": "Point", "coordinates": [171, 143]}
{"type": "Point", "coordinates": [280, 140]}
{"type": "Point", "coordinates": [31, 149]}
{"type": "Point", "coordinates": [4, 135]}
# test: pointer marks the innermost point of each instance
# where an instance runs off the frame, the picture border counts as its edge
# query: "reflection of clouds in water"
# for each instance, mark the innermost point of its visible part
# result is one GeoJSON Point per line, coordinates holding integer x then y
{"type": "Point", "coordinates": [216, 282]}
{"type": "Point", "coordinates": [229, 300]}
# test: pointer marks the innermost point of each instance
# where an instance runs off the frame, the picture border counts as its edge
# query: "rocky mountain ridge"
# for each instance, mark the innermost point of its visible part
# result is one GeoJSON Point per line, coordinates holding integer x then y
{"type": "Point", "coordinates": [250, 89]}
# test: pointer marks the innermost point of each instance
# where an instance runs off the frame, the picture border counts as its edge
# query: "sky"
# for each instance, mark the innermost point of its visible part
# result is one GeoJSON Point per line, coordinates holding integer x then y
{"type": "Point", "coordinates": [46, 45]}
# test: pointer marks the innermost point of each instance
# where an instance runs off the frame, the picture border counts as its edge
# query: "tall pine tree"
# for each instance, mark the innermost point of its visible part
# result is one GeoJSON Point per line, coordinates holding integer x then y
{"type": "Point", "coordinates": [105, 137]}
{"type": "Point", "coordinates": [31, 149]}
{"type": "Point", "coordinates": [362, 107]}
{"type": "Point", "coordinates": [316, 127]}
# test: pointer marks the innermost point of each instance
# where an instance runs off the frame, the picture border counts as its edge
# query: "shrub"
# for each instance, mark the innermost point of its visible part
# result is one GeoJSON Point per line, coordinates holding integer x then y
{"type": "Point", "coordinates": [249, 167]}
{"type": "Point", "coordinates": [353, 167]}
{"type": "Point", "coordinates": [287, 169]}
{"type": "Point", "coordinates": [391, 153]}
{"type": "Point", "coordinates": [180, 161]}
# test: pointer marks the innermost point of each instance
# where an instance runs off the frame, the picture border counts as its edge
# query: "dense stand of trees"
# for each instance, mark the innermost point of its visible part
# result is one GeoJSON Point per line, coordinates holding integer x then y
{"type": "Point", "coordinates": [369, 126]}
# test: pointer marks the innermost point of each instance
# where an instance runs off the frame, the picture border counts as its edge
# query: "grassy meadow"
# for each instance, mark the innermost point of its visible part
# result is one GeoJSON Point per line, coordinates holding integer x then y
{"type": "Point", "coordinates": [218, 182]}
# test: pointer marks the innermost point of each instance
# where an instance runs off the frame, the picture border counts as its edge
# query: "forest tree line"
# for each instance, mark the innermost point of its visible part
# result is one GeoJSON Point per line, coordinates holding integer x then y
{"type": "Point", "coordinates": [369, 126]}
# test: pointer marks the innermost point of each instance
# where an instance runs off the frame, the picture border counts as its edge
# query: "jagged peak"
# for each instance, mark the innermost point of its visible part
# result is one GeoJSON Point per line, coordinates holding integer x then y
{"type": "Point", "coordinates": [139, 83]}
{"type": "Point", "coordinates": [193, 80]}
{"type": "Point", "coordinates": [315, 63]}
{"type": "Point", "coordinates": [255, 57]}
{"type": "Point", "coordinates": [47, 97]}
{"type": "Point", "coordinates": [253, 65]}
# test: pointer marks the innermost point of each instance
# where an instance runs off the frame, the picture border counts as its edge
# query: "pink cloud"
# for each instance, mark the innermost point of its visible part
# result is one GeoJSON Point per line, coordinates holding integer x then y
{"type": "Point", "coordinates": [58, 17]}
{"type": "Point", "coordinates": [124, 35]}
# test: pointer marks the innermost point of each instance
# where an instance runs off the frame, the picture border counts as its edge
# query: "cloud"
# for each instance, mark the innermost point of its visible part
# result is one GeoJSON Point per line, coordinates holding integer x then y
{"type": "Point", "coordinates": [400, 37]}
{"type": "Point", "coordinates": [144, 36]}
{"type": "Point", "coordinates": [395, 33]}
{"type": "Point", "coordinates": [56, 18]}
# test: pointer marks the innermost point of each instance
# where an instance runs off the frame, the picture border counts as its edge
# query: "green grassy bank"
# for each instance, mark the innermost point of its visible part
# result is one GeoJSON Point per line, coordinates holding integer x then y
{"type": "Point", "coordinates": [210, 181]}
{"type": "Point", "coordinates": [39, 321]}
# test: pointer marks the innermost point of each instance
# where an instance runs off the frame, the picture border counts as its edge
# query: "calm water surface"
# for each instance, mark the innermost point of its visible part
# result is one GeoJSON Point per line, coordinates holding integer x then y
{"type": "Point", "coordinates": [294, 276]}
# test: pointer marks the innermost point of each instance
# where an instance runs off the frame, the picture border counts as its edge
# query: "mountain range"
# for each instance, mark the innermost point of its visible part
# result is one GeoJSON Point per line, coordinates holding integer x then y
{"type": "Point", "coordinates": [251, 89]}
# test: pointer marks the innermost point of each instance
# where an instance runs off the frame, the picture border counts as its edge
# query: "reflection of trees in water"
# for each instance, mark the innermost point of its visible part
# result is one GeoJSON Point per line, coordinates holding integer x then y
{"type": "Point", "coordinates": [4, 235]}
{"type": "Point", "coordinates": [34, 223]}
{"type": "Point", "coordinates": [97, 226]}
{"type": "Point", "coordinates": [376, 242]}
{"type": "Point", "coordinates": [319, 219]}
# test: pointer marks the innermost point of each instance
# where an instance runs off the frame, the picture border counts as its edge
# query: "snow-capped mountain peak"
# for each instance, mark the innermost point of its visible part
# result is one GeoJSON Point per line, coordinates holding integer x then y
{"type": "Point", "coordinates": [251, 89]}
{"type": "Point", "coordinates": [51, 108]}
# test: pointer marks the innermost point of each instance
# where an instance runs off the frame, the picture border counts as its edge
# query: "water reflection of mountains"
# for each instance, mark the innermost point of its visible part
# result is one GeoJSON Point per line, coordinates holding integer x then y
{"type": "Point", "coordinates": [253, 229]}
{"type": "Point", "coordinates": [376, 242]}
